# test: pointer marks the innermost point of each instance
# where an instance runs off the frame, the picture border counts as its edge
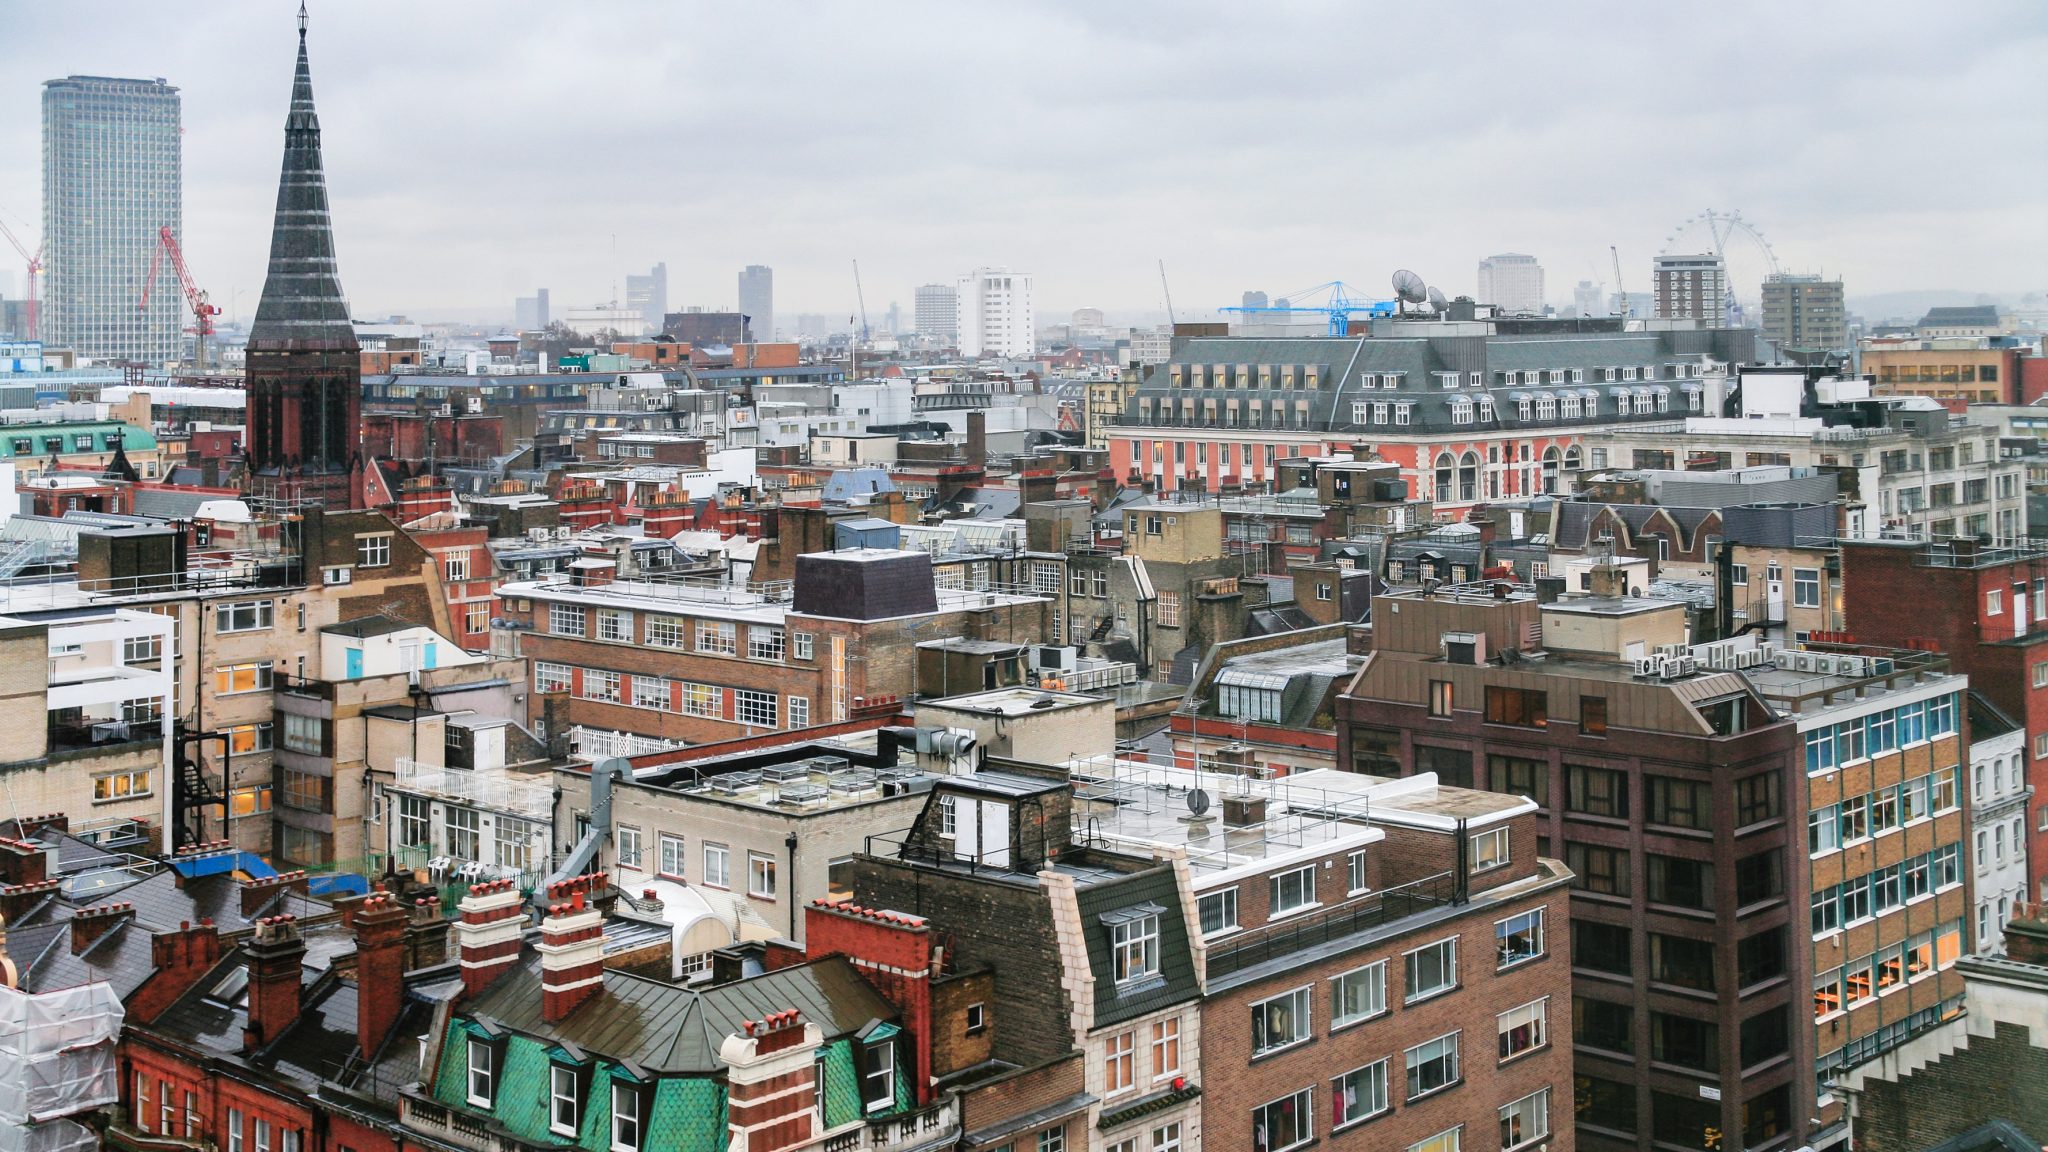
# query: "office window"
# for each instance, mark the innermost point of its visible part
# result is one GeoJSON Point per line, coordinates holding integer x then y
{"type": "Point", "coordinates": [565, 619]}
{"type": "Point", "coordinates": [233, 678]}
{"type": "Point", "coordinates": [799, 711]}
{"type": "Point", "coordinates": [1358, 1094]}
{"type": "Point", "coordinates": [1598, 869]}
{"type": "Point", "coordinates": [651, 692]}
{"type": "Point", "coordinates": [1593, 715]}
{"type": "Point", "coordinates": [1432, 1066]}
{"type": "Point", "coordinates": [601, 686]}
{"type": "Point", "coordinates": [1522, 777]}
{"type": "Point", "coordinates": [765, 643]}
{"type": "Point", "coordinates": [1284, 1123]}
{"type": "Point", "coordinates": [1523, 707]}
{"type": "Point", "coordinates": [1685, 1041]}
{"type": "Point", "coordinates": [1280, 1021]}
{"type": "Point", "coordinates": [1525, 1121]}
{"type": "Point", "coordinates": [1681, 803]}
{"type": "Point", "coordinates": [718, 867]}
{"type": "Point", "coordinates": [1218, 911]}
{"type": "Point", "coordinates": [1685, 962]}
{"type": "Point", "coordinates": [1681, 882]}
{"type": "Point", "coordinates": [549, 677]}
{"type": "Point", "coordinates": [1432, 969]}
{"type": "Point", "coordinates": [1489, 849]}
{"type": "Point", "coordinates": [707, 700]}
{"type": "Point", "coordinates": [756, 708]}
{"type": "Point", "coordinates": [1359, 994]}
{"type": "Point", "coordinates": [1135, 948]}
{"type": "Point", "coordinates": [614, 626]}
{"type": "Point", "coordinates": [1596, 791]}
{"type": "Point", "coordinates": [1806, 587]}
{"type": "Point", "coordinates": [1757, 798]}
{"type": "Point", "coordinates": [718, 637]}
{"type": "Point", "coordinates": [306, 734]}
{"type": "Point", "coordinates": [1169, 609]}
{"type": "Point", "coordinates": [1119, 1063]}
{"type": "Point", "coordinates": [1293, 891]}
{"type": "Point", "coordinates": [760, 875]}
{"type": "Point", "coordinates": [1523, 1029]}
{"type": "Point", "coordinates": [1439, 697]}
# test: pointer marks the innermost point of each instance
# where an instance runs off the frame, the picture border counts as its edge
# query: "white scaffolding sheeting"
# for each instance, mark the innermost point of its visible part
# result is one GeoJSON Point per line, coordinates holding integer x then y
{"type": "Point", "coordinates": [55, 1136]}
{"type": "Point", "coordinates": [56, 1058]}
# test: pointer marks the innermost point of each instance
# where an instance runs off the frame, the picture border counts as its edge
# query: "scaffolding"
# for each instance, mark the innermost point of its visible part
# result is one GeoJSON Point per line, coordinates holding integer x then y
{"type": "Point", "coordinates": [56, 1061]}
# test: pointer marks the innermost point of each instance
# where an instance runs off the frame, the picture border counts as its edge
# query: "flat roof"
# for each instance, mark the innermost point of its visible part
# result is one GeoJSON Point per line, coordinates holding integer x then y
{"type": "Point", "coordinates": [1018, 701]}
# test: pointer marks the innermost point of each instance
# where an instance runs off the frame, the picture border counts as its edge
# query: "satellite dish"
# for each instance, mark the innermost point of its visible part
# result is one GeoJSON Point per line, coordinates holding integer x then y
{"type": "Point", "coordinates": [1436, 299]}
{"type": "Point", "coordinates": [1409, 287]}
{"type": "Point", "coordinates": [1198, 801]}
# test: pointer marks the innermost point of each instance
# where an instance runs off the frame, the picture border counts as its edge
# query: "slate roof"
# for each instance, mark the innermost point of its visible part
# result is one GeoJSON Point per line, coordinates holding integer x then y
{"type": "Point", "coordinates": [1572, 522]}
{"type": "Point", "coordinates": [1986, 719]}
{"type": "Point", "coordinates": [171, 504]}
{"type": "Point", "coordinates": [669, 1028]}
{"type": "Point", "coordinates": [1961, 316]}
{"type": "Point", "coordinates": [302, 306]}
{"type": "Point", "coordinates": [161, 904]}
{"type": "Point", "coordinates": [1154, 888]}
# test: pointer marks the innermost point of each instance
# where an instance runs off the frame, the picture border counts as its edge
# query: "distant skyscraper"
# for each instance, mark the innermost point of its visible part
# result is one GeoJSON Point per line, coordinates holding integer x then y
{"type": "Point", "coordinates": [1254, 300]}
{"type": "Point", "coordinates": [1694, 287]}
{"type": "Point", "coordinates": [937, 312]}
{"type": "Point", "coordinates": [994, 313]}
{"type": "Point", "coordinates": [648, 295]}
{"type": "Point", "coordinates": [1589, 300]}
{"type": "Point", "coordinates": [1805, 312]}
{"type": "Point", "coordinates": [305, 383]}
{"type": "Point", "coordinates": [532, 311]}
{"type": "Point", "coordinates": [112, 176]}
{"type": "Point", "coordinates": [757, 300]}
{"type": "Point", "coordinates": [1512, 283]}
{"type": "Point", "coordinates": [895, 318]}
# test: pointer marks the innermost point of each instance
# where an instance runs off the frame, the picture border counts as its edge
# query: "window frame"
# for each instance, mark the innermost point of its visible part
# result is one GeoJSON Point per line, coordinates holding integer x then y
{"type": "Point", "coordinates": [1413, 991]}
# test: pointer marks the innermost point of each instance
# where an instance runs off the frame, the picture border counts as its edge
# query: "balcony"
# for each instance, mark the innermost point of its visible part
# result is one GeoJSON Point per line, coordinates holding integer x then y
{"type": "Point", "coordinates": [71, 733]}
{"type": "Point", "coordinates": [935, 1127]}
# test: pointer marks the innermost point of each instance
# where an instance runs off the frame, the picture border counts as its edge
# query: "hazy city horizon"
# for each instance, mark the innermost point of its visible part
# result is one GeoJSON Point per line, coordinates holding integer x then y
{"type": "Point", "coordinates": [471, 162]}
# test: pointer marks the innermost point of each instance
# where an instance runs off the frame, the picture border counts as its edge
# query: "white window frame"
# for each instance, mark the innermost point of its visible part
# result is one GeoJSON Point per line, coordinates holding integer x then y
{"type": "Point", "coordinates": [674, 851]}
{"type": "Point", "coordinates": [1134, 948]}
{"type": "Point", "coordinates": [1304, 1102]}
{"type": "Point", "coordinates": [1490, 849]}
{"type": "Point", "coordinates": [1378, 1071]}
{"type": "Point", "coordinates": [1225, 897]}
{"type": "Point", "coordinates": [1373, 978]}
{"type": "Point", "coordinates": [717, 866]}
{"type": "Point", "coordinates": [759, 866]}
{"type": "Point", "coordinates": [1537, 1122]}
{"type": "Point", "coordinates": [558, 1098]}
{"type": "Point", "coordinates": [1300, 1002]}
{"type": "Point", "coordinates": [1414, 993]}
{"type": "Point", "coordinates": [482, 1074]}
{"type": "Point", "coordinates": [628, 1126]}
{"type": "Point", "coordinates": [1535, 1013]}
{"type": "Point", "coordinates": [1410, 1062]}
{"type": "Point", "coordinates": [1276, 909]}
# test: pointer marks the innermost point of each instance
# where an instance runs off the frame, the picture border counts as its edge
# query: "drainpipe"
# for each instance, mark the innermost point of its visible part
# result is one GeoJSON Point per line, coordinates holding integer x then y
{"type": "Point", "coordinates": [789, 888]}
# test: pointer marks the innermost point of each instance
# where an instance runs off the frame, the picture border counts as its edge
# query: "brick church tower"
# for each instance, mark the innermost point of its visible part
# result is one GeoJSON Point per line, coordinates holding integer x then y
{"type": "Point", "coordinates": [304, 372]}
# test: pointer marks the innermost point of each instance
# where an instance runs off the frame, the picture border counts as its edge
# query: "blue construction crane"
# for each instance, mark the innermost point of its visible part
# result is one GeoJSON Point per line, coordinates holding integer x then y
{"type": "Point", "coordinates": [1338, 304]}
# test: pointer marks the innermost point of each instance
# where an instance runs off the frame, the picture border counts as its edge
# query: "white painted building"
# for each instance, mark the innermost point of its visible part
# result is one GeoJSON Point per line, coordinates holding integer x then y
{"type": "Point", "coordinates": [993, 311]}
{"type": "Point", "coordinates": [1998, 812]}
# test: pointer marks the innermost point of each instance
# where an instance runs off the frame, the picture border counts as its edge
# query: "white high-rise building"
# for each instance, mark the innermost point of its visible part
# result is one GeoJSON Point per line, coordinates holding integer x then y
{"type": "Point", "coordinates": [1512, 283]}
{"type": "Point", "coordinates": [994, 315]}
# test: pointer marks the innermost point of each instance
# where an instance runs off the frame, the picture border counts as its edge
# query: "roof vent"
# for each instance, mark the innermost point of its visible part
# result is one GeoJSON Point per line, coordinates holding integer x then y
{"type": "Point", "coordinates": [1244, 811]}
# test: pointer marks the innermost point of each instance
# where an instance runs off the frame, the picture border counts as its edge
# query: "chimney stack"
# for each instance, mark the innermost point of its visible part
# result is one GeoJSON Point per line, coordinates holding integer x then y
{"type": "Point", "coordinates": [426, 935]}
{"type": "Point", "coordinates": [89, 924]}
{"type": "Point", "coordinates": [177, 961]}
{"type": "Point", "coordinates": [571, 947]}
{"type": "Point", "coordinates": [380, 970]}
{"type": "Point", "coordinates": [22, 862]}
{"type": "Point", "coordinates": [773, 1100]}
{"type": "Point", "coordinates": [488, 933]}
{"type": "Point", "coordinates": [260, 891]}
{"type": "Point", "coordinates": [1608, 580]}
{"type": "Point", "coordinates": [977, 439]}
{"type": "Point", "coordinates": [275, 956]}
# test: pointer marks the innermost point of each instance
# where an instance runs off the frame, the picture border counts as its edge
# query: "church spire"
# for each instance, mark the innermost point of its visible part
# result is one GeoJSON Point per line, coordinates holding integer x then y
{"type": "Point", "coordinates": [302, 306]}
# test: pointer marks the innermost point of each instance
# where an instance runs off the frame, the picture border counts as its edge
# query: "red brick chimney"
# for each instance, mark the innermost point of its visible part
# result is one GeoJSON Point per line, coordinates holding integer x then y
{"type": "Point", "coordinates": [22, 862]}
{"type": "Point", "coordinates": [275, 956]}
{"type": "Point", "coordinates": [571, 947]}
{"type": "Point", "coordinates": [89, 924]}
{"type": "Point", "coordinates": [772, 1095]}
{"type": "Point", "coordinates": [426, 934]}
{"type": "Point", "coordinates": [177, 961]}
{"type": "Point", "coordinates": [380, 970]}
{"type": "Point", "coordinates": [259, 891]}
{"type": "Point", "coordinates": [895, 953]}
{"type": "Point", "coordinates": [487, 936]}
{"type": "Point", "coordinates": [17, 899]}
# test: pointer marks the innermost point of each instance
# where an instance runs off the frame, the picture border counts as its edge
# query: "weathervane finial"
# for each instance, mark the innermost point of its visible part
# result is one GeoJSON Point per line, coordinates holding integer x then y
{"type": "Point", "coordinates": [302, 19]}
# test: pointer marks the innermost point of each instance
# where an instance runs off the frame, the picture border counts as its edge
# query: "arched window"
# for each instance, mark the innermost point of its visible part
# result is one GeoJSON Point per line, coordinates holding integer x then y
{"type": "Point", "coordinates": [1571, 459]}
{"type": "Point", "coordinates": [1468, 477]}
{"type": "Point", "coordinates": [1550, 460]}
{"type": "Point", "coordinates": [1443, 477]}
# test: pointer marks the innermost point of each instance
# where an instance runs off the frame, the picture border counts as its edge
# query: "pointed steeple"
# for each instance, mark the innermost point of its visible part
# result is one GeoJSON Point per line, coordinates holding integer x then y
{"type": "Point", "coordinates": [302, 306]}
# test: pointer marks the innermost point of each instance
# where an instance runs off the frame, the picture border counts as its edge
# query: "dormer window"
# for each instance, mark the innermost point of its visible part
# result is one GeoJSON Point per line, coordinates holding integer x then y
{"type": "Point", "coordinates": [565, 1100]}
{"type": "Point", "coordinates": [629, 1103]}
{"type": "Point", "coordinates": [1134, 945]}
{"type": "Point", "coordinates": [878, 1069]}
{"type": "Point", "coordinates": [483, 1072]}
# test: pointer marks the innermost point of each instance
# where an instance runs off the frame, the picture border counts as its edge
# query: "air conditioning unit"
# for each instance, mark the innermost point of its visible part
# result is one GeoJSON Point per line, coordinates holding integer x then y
{"type": "Point", "coordinates": [562, 533]}
{"type": "Point", "coordinates": [536, 534]}
{"type": "Point", "coordinates": [1647, 666]}
{"type": "Point", "coordinates": [445, 410]}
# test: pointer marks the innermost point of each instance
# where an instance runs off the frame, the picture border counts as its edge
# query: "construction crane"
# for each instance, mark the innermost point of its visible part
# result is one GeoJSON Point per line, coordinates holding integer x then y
{"type": "Point", "coordinates": [35, 268]}
{"type": "Point", "coordinates": [1170, 317]}
{"type": "Point", "coordinates": [1620, 293]}
{"type": "Point", "coordinates": [195, 296]}
{"type": "Point", "coordinates": [1338, 305]}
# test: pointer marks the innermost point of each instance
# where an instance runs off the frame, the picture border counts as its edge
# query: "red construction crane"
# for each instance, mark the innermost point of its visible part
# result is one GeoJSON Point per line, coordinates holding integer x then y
{"type": "Point", "coordinates": [35, 268]}
{"type": "Point", "coordinates": [195, 296]}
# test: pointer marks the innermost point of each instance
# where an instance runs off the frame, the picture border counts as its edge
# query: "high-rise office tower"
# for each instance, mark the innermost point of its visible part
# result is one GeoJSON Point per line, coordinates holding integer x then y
{"type": "Point", "coordinates": [1805, 312]}
{"type": "Point", "coordinates": [994, 317]}
{"type": "Point", "coordinates": [112, 177]}
{"type": "Point", "coordinates": [1694, 286]}
{"type": "Point", "coordinates": [1253, 299]}
{"type": "Point", "coordinates": [304, 368]}
{"type": "Point", "coordinates": [757, 300]}
{"type": "Point", "coordinates": [936, 312]}
{"type": "Point", "coordinates": [532, 311]}
{"type": "Point", "coordinates": [1512, 283]}
{"type": "Point", "coordinates": [648, 295]}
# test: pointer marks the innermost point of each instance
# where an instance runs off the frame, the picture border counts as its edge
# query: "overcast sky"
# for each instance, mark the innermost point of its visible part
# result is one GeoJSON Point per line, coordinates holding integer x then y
{"type": "Point", "coordinates": [476, 151]}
